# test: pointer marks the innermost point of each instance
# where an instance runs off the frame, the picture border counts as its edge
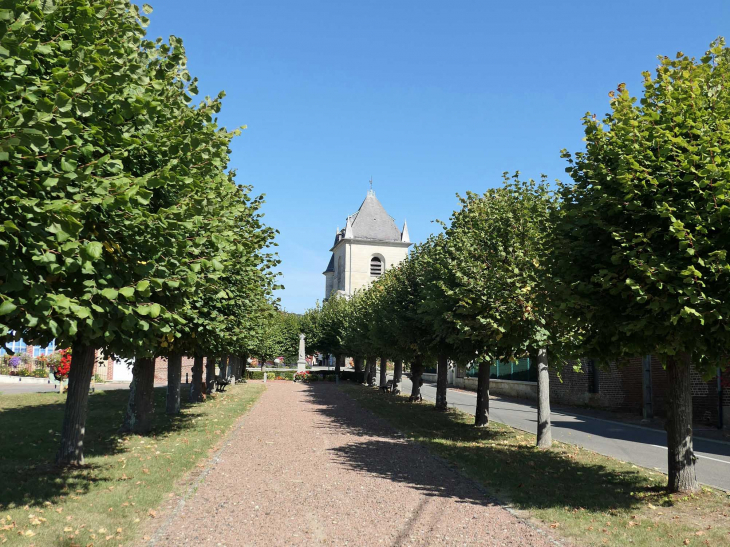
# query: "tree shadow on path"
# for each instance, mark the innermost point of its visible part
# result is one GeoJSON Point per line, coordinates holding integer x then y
{"type": "Point", "coordinates": [503, 460]}
{"type": "Point", "coordinates": [382, 451]}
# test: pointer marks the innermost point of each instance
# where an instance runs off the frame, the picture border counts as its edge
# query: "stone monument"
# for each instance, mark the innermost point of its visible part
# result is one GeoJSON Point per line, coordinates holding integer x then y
{"type": "Point", "coordinates": [302, 361]}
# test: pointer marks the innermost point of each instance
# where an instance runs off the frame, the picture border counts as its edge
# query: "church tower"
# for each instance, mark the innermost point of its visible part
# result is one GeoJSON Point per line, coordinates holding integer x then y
{"type": "Point", "coordinates": [369, 244]}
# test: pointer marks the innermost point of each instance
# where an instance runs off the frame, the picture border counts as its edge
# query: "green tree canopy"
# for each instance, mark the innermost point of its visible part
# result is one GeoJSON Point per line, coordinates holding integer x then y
{"type": "Point", "coordinates": [645, 229]}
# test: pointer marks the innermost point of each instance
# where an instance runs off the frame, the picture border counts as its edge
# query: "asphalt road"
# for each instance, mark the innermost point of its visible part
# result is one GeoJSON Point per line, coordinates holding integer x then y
{"type": "Point", "coordinates": [630, 443]}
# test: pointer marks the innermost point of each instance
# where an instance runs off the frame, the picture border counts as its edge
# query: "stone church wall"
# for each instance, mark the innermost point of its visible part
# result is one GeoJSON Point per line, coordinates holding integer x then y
{"type": "Point", "coordinates": [362, 252]}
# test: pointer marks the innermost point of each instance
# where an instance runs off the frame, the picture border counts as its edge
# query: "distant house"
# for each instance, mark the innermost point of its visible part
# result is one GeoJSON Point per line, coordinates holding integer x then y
{"type": "Point", "coordinates": [19, 347]}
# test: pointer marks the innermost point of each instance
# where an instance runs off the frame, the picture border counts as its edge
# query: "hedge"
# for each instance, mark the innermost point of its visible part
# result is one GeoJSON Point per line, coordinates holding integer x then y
{"type": "Point", "coordinates": [358, 377]}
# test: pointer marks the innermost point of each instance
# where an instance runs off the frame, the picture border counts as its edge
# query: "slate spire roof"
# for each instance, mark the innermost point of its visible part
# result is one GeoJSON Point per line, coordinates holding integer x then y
{"type": "Point", "coordinates": [372, 221]}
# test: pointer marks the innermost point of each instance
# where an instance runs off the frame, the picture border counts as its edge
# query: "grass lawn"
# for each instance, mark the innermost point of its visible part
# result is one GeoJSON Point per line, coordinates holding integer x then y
{"type": "Point", "coordinates": [581, 495]}
{"type": "Point", "coordinates": [126, 477]}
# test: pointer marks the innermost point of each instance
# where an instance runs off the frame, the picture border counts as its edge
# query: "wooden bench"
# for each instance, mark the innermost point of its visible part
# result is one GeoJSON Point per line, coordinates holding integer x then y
{"type": "Point", "coordinates": [221, 383]}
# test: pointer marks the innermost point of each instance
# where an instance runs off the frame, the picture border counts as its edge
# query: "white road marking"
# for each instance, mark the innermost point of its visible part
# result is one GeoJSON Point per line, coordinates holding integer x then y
{"type": "Point", "coordinates": [703, 457]}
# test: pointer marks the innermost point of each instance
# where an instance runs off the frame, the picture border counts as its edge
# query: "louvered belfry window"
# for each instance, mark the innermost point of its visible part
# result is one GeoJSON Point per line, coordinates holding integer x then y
{"type": "Point", "coordinates": [376, 267]}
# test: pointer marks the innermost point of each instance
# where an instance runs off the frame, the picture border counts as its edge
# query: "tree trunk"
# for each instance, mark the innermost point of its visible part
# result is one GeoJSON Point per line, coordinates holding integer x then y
{"type": "Point", "coordinates": [544, 428]}
{"type": "Point", "coordinates": [196, 385]}
{"type": "Point", "coordinates": [369, 370]}
{"type": "Point", "coordinates": [358, 364]}
{"type": "Point", "coordinates": [397, 375]}
{"type": "Point", "coordinates": [141, 405]}
{"type": "Point", "coordinates": [174, 377]}
{"type": "Point", "coordinates": [222, 366]}
{"type": "Point", "coordinates": [232, 367]}
{"type": "Point", "coordinates": [339, 360]}
{"type": "Point", "coordinates": [416, 380]}
{"type": "Point", "coordinates": [481, 416]}
{"type": "Point", "coordinates": [441, 378]}
{"type": "Point", "coordinates": [244, 369]}
{"type": "Point", "coordinates": [209, 375]}
{"type": "Point", "coordinates": [681, 462]}
{"type": "Point", "coordinates": [383, 371]}
{"type": "Point", "coordinates": [71, 451]}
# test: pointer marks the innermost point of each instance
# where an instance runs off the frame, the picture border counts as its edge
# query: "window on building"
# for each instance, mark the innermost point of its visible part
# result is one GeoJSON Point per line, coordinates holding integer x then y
{"type": "Point", "coordinates": [376, 267]}
{"type": "Point", "coordinates": [18, 347]}
{"type": "Point", "coordinates": [40, 350]}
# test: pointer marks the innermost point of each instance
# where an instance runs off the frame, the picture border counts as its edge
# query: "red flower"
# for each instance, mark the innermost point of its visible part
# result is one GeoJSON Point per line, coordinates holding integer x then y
{"type": "Point", "coordinates": [64, 367]}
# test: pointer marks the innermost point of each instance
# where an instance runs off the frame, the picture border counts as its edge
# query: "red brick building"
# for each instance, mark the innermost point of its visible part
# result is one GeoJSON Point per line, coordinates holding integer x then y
{"type": "Point", "coordinates": [638, 385]}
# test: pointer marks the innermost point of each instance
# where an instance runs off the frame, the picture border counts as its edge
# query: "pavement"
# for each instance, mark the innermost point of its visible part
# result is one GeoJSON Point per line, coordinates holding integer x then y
{"type": "Point", "coordinates": [21, 387]}
{"type": "Point", "coordinates": [639, 445]}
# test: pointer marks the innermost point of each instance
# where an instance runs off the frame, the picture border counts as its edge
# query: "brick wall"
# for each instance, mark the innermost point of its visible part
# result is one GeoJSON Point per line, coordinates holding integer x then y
{"type": "Point", "coordinates": [620, 388]}
{"type": "Point", "coordinates": [187, 368]}
{"type": "Point", "coordinates": [568, 386]}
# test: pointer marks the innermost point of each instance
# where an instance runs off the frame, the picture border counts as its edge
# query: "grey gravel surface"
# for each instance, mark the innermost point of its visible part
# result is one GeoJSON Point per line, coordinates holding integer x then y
{"type": "Point", "coordinates": [308, 466]}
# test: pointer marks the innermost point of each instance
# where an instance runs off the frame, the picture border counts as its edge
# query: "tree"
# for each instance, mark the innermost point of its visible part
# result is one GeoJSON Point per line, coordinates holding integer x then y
{"type": "Point", "coordinates": [93, 239]}
{"type": "Point", "coordinates": [645, 230]}
{"type": "Point", "coordinates": [434, 308]}
{"type": "Point", "coordinates": [499, 286]}
{"type": "Point", "coordinates": [355, 324]}
{"type": "Point", "coordinates": [107, 173]}
{"type": "Point", "coordinates": [331, 326]}
{"type": "Point", "coordinates": [410, 335]}
{"type": "Point", "coordinates": [281, 336]}
{"type": "Point", "coordinates": [229, 311]}
{"type": "Point", "coordinates": [310, 325]}
{"type": "Point", "coordinates": [387, 324]}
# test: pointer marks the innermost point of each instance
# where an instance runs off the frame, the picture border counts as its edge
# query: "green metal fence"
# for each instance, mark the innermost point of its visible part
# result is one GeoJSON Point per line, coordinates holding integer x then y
{"type": "Point", "coordinates": [509, 370]}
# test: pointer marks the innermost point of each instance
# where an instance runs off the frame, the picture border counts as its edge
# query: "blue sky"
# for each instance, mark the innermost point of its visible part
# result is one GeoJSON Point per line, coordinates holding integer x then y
{"type": "Point", "coordinates": [429, 98]}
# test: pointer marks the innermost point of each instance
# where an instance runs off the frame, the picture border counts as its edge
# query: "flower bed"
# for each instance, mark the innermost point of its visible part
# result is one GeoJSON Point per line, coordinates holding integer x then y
{"type": "Point", "coordinates": [306, 376]}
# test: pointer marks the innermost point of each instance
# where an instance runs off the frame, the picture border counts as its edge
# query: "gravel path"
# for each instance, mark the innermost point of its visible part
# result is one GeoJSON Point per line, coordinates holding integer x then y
{"type": "Point", "coordinates": [309, 466]}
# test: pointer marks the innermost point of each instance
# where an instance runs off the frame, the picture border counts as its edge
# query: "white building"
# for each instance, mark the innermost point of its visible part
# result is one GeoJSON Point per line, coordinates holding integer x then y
{"type": "Point", "coordinates": [369, 244]}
